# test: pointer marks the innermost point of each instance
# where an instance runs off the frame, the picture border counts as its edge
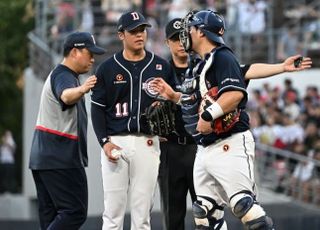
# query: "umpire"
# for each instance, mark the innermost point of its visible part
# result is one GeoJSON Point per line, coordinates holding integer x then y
{"type": "Point", "coordinates": [59, 147]}
{"type": "Point", "coordinates": [178, 150]}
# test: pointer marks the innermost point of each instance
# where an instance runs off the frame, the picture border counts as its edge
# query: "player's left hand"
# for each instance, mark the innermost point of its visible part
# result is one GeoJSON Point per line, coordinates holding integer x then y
{"type": "Point", "coordinates": [89, 84]}
{"type": "Point", "coordinates": [290, 67]}
{"type": "Point", "coordinates": [204, 127]}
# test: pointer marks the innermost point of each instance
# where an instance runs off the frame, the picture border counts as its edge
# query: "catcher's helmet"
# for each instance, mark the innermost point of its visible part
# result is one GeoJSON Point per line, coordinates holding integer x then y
{"type": "Point", "coordinates": [210, 23]}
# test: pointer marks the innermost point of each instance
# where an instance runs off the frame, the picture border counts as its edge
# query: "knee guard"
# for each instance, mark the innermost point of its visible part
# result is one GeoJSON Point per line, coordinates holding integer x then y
{"type": "Point", "coordinates": [208, 215]}
{"type": "Point", "coordinates": [245, 207]}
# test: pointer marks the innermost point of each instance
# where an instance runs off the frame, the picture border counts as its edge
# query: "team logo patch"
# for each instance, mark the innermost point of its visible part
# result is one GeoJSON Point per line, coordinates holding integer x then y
{"type": "Point", "coordinates": [147, 88]}
{"type": "Point", "coordinates": [149, 142]}
{"type": "Point", "coordinates": [177, 25]}
{"type": "Point", "coordinates": [158, 67]}
{"type": "Point", "coordinates": [119, 79]}
{"type": "Point", "coordinates": [226, 148]}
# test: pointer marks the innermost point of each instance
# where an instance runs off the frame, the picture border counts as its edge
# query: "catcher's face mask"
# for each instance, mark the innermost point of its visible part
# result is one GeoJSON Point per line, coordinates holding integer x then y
{"type": "Point", "coordinates": [184, 34]}
{"type": "Point", "coordinates": [209, 22]}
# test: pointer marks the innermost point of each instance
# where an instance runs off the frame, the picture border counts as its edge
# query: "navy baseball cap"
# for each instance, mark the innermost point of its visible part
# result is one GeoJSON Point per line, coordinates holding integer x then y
{"type": "Point", "coordinates": [173, 27]}
{"type": "Point", "coordinates": [81, 40]}
{"type": "Point", "coordinates": [131, 20]}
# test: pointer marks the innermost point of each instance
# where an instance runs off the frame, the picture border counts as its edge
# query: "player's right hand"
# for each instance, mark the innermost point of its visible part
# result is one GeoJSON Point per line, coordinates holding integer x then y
{"type": "Point", "coordinates": [107, 148]}
{"type": "Point", "coordinates": [164, 89]}
{"type": "Point", "coordinates": [89, 84]}
{"type": "Point", "coordinates": [289, 66]}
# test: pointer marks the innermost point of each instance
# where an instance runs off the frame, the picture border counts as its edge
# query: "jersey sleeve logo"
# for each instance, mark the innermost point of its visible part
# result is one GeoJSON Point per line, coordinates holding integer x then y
{"type": "Point", "coordinates": [158, 67]}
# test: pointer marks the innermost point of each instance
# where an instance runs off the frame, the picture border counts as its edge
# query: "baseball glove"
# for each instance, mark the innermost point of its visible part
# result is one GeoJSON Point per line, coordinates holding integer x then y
{"type": "Point", "coordinates": [224, 123]}
{"type": "Point", "coordinates": [161, 118]}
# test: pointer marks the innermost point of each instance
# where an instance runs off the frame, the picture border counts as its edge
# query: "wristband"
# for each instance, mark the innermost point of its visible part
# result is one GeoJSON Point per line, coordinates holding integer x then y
{"type": "Point", "coordinates": [215, 111]}
{"type": "Point", "coordinates": [103, 141]}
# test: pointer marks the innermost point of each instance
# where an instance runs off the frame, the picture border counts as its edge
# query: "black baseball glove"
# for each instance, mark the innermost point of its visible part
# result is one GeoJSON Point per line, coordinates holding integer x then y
{"type": "Point", "coordinates": [161, 118]}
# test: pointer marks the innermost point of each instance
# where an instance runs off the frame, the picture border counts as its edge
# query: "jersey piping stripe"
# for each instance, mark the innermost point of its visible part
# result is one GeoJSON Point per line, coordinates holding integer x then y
{"type": "Point", "coordinates": [139, 105]}
{"type": "Point", "coordinates": [97, 103]}
{"type": "Point", "coordinates": [56, 132]}
{"type": "Point", "coordinates": [246, 153]}
{"type": "Point", "coordinates": [131, 88]}
{"type": "Point", "coordinates": [233, 87]}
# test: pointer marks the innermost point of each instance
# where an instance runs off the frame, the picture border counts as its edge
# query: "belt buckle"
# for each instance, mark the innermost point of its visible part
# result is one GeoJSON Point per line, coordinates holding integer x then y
{"type": "Point", "coordinates": [182, 140]}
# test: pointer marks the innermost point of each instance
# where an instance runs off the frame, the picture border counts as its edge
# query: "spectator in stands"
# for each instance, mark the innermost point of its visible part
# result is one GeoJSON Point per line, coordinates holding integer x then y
{"type": "Point", "coordinates": [302, 177]}
{"type": "Point", "coordinates": [267, 133]}
{"type": "Point", "coordinates": [232, 14]}
{"type": "Point", "coordinates": [252, 16]}
{"type": "Point", "coordinates": [7, 163]}
{"type": "Point", "coordinates": [311, 135]}
{"type": "Point", "coordinates": [114, 8]}
{"type": "Point", "coordinates": [291, 132]}
{"type": "Point", "coordinates": [65, 14]}
{"type": "Point", "coordinates": [275, 98]}
{"type": "Point", "coordinates": [291, 107]}
{"type": "Point", "coordinates": [64, 19]}
{"type": "Point", "coordinates": [312, 35]}
{"type": "Point", "coordinates": [179, 8]}
{"type": "Point", "coordinates": [312, 92]}
{"type": "Point", "coordinates": [288, 87]}
{"type": "Point", "coordinates": [288, 43]}
{"type": "Point", "coordinates": [87, 20]}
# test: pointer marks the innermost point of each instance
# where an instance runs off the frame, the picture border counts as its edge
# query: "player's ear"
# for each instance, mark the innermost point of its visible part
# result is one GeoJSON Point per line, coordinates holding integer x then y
{"type": "Point", "coordinates": [167, 42]}
{"type": "Point", "coordinates": [121, 35]}
{"type": "Point", "coordinates": [73, 52]}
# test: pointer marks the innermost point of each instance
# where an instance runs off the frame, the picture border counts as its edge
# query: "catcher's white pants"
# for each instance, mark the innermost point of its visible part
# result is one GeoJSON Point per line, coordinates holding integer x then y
{"type": "Point", "coordinates": [225, 168]}
{"type": "Point", "coordinates": [133, 178]}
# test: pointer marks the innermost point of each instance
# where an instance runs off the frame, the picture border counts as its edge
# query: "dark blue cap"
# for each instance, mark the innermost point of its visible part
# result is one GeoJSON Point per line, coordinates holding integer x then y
{"type": "Point", "coordinates": [81, 40]}
{"type": "Point", "coordinates": [131, 20]}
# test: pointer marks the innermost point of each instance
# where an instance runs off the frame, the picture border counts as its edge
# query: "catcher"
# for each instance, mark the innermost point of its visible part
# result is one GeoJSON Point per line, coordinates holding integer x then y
{"type": "Point", "coordinates": [229, 145]}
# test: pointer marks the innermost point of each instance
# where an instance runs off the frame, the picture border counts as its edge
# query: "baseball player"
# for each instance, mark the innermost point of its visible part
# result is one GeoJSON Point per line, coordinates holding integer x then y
{"type": "Point", "coordinates": [130, 155]}
{"type": "Point", "coordinates": [59, 147]}
{"type": "Point", "coordinates": [223, 168]}
{"type": "Point", "coordinates": [179, 150]}
{"type": "Point", "coordinates": [219, 181]}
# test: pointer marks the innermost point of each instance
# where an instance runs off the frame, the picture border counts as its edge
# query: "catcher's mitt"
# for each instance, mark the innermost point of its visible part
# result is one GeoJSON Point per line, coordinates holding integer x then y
{"type": "Point", "coordinates": [223, 123]}
{"type": "Point", "coordinates": [161, 118]}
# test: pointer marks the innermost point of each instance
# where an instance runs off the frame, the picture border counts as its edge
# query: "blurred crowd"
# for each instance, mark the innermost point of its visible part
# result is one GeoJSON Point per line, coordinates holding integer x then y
{"type": "Point", "coordinates": [288, 120]}
{"type": "Point", "coordinates": [296, 24]}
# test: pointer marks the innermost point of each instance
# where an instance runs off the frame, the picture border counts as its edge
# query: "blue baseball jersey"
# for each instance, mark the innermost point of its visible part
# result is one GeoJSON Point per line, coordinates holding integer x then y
{"type": "Point", "coordinates": [226, 74]}
{"type": "Point", "coordinates": [123, 93]}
